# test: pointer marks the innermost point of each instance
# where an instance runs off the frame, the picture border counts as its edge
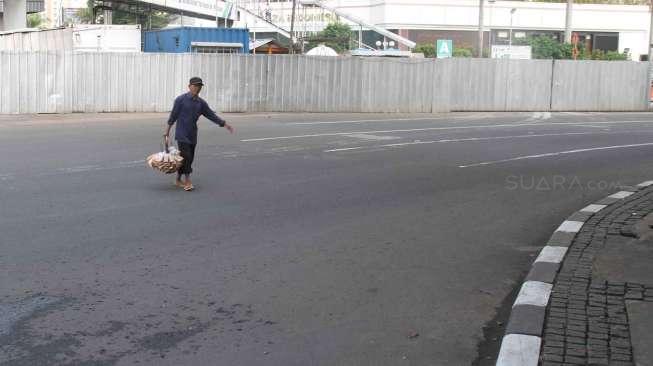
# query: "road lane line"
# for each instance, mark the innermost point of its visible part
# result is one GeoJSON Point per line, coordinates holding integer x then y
{"type": "Point", "coordinates": [551, 154]}
{"type": "Point", "coordinates": [441, 129]}
{"type": "Point", "coordinates": [472, 116]}
{"type": "Point", "coordinates": [417, 142]}
{"type": "Point", "coordinates": [366, 121]}
{"type": "Point", "coordinates": [372, 137]}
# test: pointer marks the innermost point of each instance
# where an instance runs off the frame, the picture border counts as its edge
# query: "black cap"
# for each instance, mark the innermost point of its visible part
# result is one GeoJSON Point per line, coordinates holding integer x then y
{"type": "Point", "coordinates": [195, 81]}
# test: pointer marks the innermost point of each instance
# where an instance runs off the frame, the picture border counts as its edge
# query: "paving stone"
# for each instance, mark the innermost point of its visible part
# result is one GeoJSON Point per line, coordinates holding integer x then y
{"type": "Point", "coordinates": [620, 342]}
{"type": "Point", "coordinates": [593, 310]}
{"type": "Point", "coordinates": [597, 342]}
{"type": "Point", "coordinates": [575, 340]}
{"type": "Point", "coordinates": [575, 360]}
{"type": "Point", "coordinates": [553, 338]}
{"type": "Point", "coordinates": [552, 357]}
{"type": "Point", "coordinates": [620, 357]}
{"type": "Point", "coordinates": [594, 353]}
{"type": "Point", "coordinates": [576, 318]}
{"type": "Point", "coordinates": [557, 331]}
{"type": "Point", "coordinates": [596, 361]}
{"type": "Point", "coordinates": [633, 295]}
{"type": "Point", "coordinates": [620, 363]}
{"type": "Point", "coordinates": [603, 336]}
{"type": "Point", "coordinates": [576, 352]}
{"type": "Point", "coordinates": [577, 323]}
{"type": "Point", "coordinates": [572, 333]}
{"type": "Point", "coordinates": [576, 328]}
{"type": "Point", "coordinates": [553, 344]}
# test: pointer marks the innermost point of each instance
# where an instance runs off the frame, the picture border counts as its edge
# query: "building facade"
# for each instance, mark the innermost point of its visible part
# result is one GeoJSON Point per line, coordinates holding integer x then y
{"type": "Point", "coordinates": [600, 26]}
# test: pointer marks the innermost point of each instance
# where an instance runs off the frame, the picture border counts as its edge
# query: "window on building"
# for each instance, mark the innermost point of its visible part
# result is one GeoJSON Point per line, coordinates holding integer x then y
{"type": "Point", "coordinates": [216, 47]}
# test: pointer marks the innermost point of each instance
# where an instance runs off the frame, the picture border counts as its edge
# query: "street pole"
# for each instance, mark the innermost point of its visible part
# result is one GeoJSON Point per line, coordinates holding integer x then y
{"type": "Point", "coordinates": [650, 36]}
{"type": "Point", "coordinates": [650, 56]}
{"type": "Point", "coordinates": [512, 12]}
{"type": "Point", "coordinates": [480, 28]}
{"type": "Point", "coordinates": [568, 21]}
{"type": "Point", "coordinates": [292, 27]}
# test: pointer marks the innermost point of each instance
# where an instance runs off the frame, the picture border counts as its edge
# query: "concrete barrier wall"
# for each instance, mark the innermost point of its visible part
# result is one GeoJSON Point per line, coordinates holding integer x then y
{"type": "Point", "coordinates": [60, 82]}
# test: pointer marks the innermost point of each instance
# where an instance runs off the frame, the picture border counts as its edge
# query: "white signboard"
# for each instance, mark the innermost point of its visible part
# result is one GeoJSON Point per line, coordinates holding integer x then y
{"type": "Point", "coordinates": [512, 52]}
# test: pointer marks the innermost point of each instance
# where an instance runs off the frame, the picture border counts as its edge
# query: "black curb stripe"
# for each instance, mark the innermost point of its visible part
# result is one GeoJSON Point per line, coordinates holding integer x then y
{"type": "Point", "coordinates": [543, 272]}
{"type": "Point", "coordinates": [527, 320]}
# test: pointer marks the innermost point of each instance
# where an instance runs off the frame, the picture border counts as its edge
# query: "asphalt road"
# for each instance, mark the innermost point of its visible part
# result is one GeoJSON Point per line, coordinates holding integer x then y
{"type": "Point", "coordinates": [361, 239]}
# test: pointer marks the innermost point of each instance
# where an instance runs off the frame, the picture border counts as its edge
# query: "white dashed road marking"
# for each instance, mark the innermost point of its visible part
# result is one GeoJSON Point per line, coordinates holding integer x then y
{"type": "Point", "coordinates": [372, 137]}
{"type": "Point", "coordinates": [478, 127]}
{"type": "Point", "coordinates": [470, 139]}
{"type": "Point", "coordinates": [552, 154]}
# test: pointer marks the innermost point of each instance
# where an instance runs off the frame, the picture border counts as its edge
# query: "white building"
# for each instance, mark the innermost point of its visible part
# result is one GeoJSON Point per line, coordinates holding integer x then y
{"type": "Point", "coordinates": [81, 38]}
{"type": "Point", "coordinates": [607, 27]}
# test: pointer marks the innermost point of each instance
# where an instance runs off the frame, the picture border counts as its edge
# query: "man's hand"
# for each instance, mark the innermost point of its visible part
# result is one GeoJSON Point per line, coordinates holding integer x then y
{"type": "Point", "coordinates": [229, 128]}
{"type": "Point", "coordinates": [166, 133]}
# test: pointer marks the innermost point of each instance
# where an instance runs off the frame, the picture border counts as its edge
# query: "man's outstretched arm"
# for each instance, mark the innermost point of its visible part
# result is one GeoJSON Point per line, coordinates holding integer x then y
{"type": "Point", "coordinates": [208, 113]}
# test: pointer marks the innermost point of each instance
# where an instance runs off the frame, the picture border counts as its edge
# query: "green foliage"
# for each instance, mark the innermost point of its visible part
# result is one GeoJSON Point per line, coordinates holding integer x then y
{"type": "Point", "coordinates": [462, 52]}
{"type": "Point", "coordinates": [543, 47]}
{"type": "Point", "coordinates": [547, 48]}
{"type": "Point", "coordinates": [34, 20]}
{"type": "Point", "coordinates": [336, 35]}
{"type": "Point", "coordinates": [158, 19]}
{"type": "Point", "coordinates": [616, 56]}
{"type": "Point", "coordinates": [428, 49]}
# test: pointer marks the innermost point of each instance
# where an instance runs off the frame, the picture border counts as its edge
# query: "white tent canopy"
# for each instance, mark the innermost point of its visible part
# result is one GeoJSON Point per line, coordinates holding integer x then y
{"type": "Point", "coordinates": [322, 50]}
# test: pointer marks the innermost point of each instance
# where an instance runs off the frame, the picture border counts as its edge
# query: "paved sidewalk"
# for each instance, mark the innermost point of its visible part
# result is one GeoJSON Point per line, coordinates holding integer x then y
{"type": "Point", "coordinates": [601, 306]}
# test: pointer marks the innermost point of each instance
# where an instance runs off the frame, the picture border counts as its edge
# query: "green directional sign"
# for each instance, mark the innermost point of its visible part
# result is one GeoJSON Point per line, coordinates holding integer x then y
{"type": "Point", "coordinates": [444, 48]}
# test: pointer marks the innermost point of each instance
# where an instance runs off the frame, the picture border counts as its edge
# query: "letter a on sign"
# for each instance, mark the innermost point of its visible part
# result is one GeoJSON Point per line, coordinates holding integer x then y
{"type": "Point", "coordinates": [444, 48]}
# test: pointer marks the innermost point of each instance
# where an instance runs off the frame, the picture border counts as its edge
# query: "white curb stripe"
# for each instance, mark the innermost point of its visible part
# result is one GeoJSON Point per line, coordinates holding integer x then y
{"type": "Point", "coordinates": [551, 254]}
{"type": "Point", "coordinates": [519, 350]}
{"type": "Point", "coordinates": [593, 208]}
{"type": "Point", "coordinates": [534, 293]}
{"type": "Point", "coordinates": [570, 226]}
{"type": "Point", "coordinates": [646, 184]}
{"type": "Point", "coordinates": [620, 195]}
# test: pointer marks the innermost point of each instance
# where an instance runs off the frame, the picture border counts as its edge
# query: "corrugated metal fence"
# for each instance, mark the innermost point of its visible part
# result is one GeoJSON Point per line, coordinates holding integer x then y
{"type": "Point", "coordinates": [57, 82]}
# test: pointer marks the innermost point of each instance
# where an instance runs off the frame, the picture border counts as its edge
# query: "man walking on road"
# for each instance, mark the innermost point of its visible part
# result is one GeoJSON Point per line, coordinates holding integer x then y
{"type": "Point", "coordinates": [186, 111]}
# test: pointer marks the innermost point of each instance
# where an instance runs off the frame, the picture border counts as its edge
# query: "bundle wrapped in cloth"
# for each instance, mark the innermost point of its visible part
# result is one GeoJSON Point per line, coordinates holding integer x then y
{"type": "Point", "coordinates": [167, 161]}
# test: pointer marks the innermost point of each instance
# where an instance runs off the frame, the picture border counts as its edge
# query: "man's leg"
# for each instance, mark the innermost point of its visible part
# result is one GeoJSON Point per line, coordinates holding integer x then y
{"type": "Point", "coordinates": [178, 181]}
{"type": "Point", "coordinates": [187, 151]}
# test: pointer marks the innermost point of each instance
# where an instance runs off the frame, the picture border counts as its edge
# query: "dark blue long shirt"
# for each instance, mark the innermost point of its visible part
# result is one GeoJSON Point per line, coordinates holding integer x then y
{"type": "Point", "coordinates": [186, 111]}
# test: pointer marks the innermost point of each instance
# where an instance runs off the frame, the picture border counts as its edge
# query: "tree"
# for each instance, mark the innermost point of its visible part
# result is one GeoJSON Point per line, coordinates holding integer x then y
{"type": "Point", "coordinates": [124, 15]}
{"type": "Point", "coordinates": [336, 35]}
{"type": "Point", "coordinates": [34, 20]}
{"type": "Point", "coordinates": [544, 47]}
{"type": "Point", "coordinates": [462, 52]}
{"type": "Point", "coordinates": [428, 49]}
